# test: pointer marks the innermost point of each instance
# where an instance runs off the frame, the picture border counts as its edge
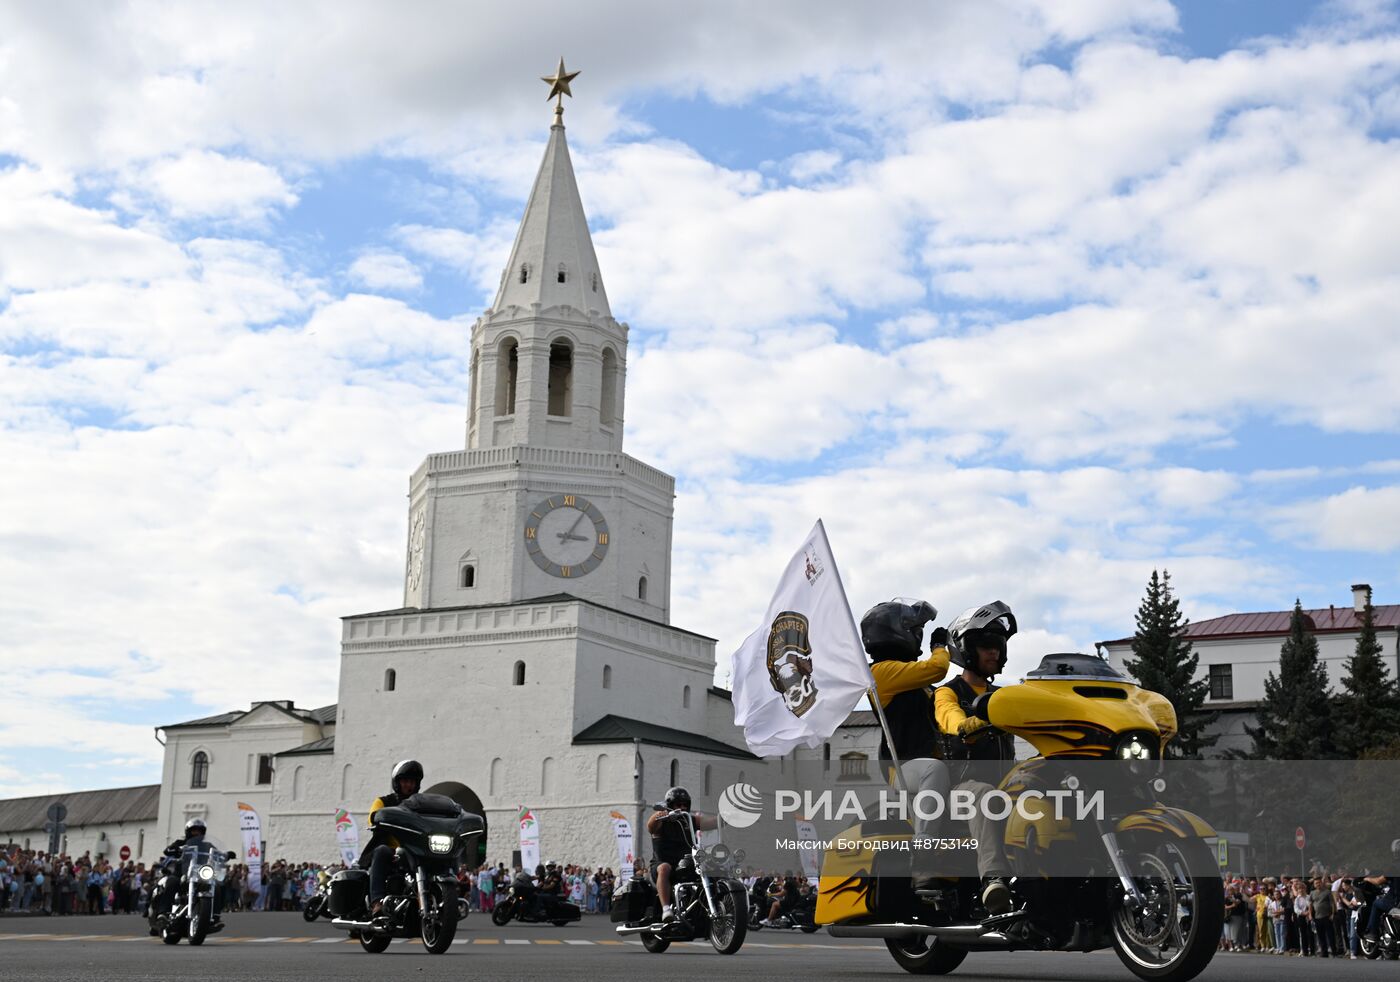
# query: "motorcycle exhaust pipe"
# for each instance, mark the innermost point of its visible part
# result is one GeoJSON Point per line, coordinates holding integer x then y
{"type": "Point", "coordinates": [624, 929]}
{"type": "Point", "coordinates": [963, 935]}
{"type": "Point", "coordinates": [345, 924]}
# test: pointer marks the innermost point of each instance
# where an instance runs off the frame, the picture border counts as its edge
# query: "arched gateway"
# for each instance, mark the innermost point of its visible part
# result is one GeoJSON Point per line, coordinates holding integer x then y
{"type": "Point", "coordinates": [469, 800]}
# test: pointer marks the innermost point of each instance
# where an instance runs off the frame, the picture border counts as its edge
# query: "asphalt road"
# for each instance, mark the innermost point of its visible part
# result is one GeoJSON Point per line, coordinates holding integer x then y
{"type": "Point", "coordinates": [284, 947]}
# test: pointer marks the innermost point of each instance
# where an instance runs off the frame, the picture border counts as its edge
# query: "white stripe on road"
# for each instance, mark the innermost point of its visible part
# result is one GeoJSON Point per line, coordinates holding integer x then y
{"type": "Point", "coordinates": [330, 940]}
{"type": "Point", "coordinates": [578, 942]}
{"type": "Point", "coordinates": [516, 941]}
{"type": "Point", "coordinates": [264, 940]}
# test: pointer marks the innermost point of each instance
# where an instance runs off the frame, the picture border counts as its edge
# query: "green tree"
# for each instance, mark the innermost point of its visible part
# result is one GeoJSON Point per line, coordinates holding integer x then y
{"type": "Point", "coordinates": [1367, 711]}
{"type": "Point", "coordinates": [1165, 663]}
{"type": "Point", "coordinates": [1295, 718]}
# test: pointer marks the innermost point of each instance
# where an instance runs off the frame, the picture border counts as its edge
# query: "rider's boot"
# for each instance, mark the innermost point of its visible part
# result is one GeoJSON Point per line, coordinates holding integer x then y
{"type": "Point", "coordinates": [996, 895]}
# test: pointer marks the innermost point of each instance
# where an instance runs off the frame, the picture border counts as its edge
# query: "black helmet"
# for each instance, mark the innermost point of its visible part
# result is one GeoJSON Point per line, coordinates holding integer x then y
{"type": "Point", "coordinates": [403, 769]}
{"type": "Point", "coordinates": [195, 826]}
{"type": "Point", "coordinates": [678, 797]}
{"type": "Point", "coordinates": [987, 626]}
{"type": "Point", "coordinates": [894, 630]}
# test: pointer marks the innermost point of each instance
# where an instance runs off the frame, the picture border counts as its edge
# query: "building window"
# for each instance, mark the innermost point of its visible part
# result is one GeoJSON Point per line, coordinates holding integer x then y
{"type": "Point", "coordinates": [675, 772]}
{"type": "Point", "coordinates": [685, 697]}
{"type": "Point", "coordinates": [826, 757]}
{"type": "Point", "coordinates": [607, 676]}
{"type": "Point", "coordinates": [493, 785]}
{"type": "Point", "coordinates": [706, 785]}
{"type": "Point", "coordinates": [199, 771]}
{"type": "Point", "coordinates": [593, 281]}
{"type": "Point", "coordinates": [547, 776]}
{"type": "Point", "coordinates": [468, 576]}
{"type": "Point", "coordinates": [264, 769]}
{"type": "Point", "coordinates": [507, 370]}
{"type": "Point", "coordinates": [391, 679]}
{"type": "Point", "coordinates": [607, 404]}
{"type": "Point", "coordinates": [855, 766]}
{"type": "Point", "coordinates": [140, 843]}
{"type": "Point", "coordinates": [642, 588]}
{"type": "Point", "coordinates": [299, 784]}
{"type": "Point", "coordinates": [524, 272]}
{"type": "Point", "coordinates": [1222, 682]}
{"type": "Point", "coordinates": [519, 677]}
{"type": "Point", "coordinates": [561, 379]}
{"type": "Point", "coordinates": [562, 274]}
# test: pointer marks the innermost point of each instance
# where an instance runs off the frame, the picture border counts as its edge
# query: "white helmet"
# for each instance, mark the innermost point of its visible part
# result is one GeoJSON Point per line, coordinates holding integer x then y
{"type": "Point", "coordinates": [987, 626]}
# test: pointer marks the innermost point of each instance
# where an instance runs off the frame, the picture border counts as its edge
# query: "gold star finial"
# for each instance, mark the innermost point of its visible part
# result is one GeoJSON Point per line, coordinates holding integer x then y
{"type": "Point", "coordinates": [559, 87]}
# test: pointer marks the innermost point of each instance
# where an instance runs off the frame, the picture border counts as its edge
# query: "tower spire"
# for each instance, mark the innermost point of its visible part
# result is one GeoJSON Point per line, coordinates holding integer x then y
{"type": "Point", "coordinates": [558, 88]}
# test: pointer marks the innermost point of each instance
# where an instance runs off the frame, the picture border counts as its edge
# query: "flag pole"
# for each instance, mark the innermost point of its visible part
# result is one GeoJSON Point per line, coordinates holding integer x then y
{"type": "Point", "coordinates": [872, 690]}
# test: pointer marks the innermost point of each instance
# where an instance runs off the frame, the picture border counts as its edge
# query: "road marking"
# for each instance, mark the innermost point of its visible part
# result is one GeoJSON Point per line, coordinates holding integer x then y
{"type": "Point", "coordinates": [329, 940]}
{"type": "Point", "coordinates": [611, 941]}
{"type": "Point", "coordinates": [547, 941]}
{"type": "Point", "coordinates": [578, 942]}
{"type": "Point", "coordinates": [264, 940]}
{"type": "Point", "coordinates": [516, 941]}
{"type": "Point", "coordinates": [298, 940]}
{"type": "Point", "coordinates": [486, 941]}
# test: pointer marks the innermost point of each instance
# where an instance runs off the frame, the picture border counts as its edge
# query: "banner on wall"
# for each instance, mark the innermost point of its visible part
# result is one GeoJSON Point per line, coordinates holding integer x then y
{"type": "Point", "coordinates": [626, 855]}
{"type": "Point", "coordinates": [529, 840]}
{"type": "Point", "coordinates": [251, 827]}
{"type": "Point", "coordinates": [347, 836]}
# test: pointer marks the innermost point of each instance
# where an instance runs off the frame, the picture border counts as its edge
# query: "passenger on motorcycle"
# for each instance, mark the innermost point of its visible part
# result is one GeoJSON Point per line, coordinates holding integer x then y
{"type": "Point", "coordinates": [892, 634]}
{"type": "Point", "coordinates": [195, 832]}
{"type": "Point", "coordinates": [979, 754]}
{"type": "Point", "coordinates": [550, 891]}
{"type": "Point", "coordinates": [405, 780]}
{"type": "Point", "coordinates": [670, 842]}
{"type": "Point", "coordinates": [1388, 900]}
{"type": "Point", "coordinates": [786, 898]}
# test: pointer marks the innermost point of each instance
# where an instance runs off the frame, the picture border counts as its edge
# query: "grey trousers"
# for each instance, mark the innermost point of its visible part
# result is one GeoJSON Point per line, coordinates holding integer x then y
{"type": "Point", "coordinates": [926, 774]}
{"type": "Point", "coordinates": [991, 857]}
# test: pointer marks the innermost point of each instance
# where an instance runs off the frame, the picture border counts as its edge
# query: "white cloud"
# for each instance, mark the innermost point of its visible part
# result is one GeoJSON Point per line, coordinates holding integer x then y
{"type": "Point", "coordinates": [385, 271]}
{"type": "Point", "coordinates": [1359, 519]}
{"type": "Point", "coordinates": [205, 184]}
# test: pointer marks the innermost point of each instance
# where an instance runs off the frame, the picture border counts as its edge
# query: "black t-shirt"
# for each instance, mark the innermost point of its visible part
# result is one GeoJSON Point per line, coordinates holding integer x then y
{"type": "Point", "coordinates": [670, 842]}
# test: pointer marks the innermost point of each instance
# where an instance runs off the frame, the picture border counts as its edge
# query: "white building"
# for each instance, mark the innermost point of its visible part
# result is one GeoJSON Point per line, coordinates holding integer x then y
{"type": "Point", "coordinates": [115, 824]}
{"type": "Point", "coordinates": [532, 661]}
{"type": "Point", "coordinates": [1238, 651]}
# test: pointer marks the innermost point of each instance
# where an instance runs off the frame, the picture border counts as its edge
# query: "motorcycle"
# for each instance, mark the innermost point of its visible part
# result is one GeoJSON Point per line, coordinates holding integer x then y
{"type": "Point", "coordinates": [802, 916]}
{"type": "Point", "coordinates": [519, 905]}
{"type": "Point", "coordinates": [434, 834]}
{"type": "Point", "coordinates": [317, 904]}
{"type": "Point", "coordinates": [1387, 943]}
{"type": "Point", "coordinates": [1150, 887]}
{"type": "Point", "coordinates": [709, 901]}
{"type": "Point", "coordinates": [197, 874]}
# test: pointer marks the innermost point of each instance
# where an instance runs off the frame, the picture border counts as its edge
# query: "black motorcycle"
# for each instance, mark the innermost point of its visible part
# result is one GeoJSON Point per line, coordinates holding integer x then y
{"type": "Point", "coordinates": [709, 901]}
{"type": "Point", "coordinates": [1387, 943]}
{"type": "Point", "coordinates": [434, 834]}
{"type": "Point", "coordinates": [801, 916]}
{"type": "Point", "coordinates": [525, 903]}
{"type": "Point", "coordinates": [317, 904]}
{"type": "Point", "coordinates": [196, 875]}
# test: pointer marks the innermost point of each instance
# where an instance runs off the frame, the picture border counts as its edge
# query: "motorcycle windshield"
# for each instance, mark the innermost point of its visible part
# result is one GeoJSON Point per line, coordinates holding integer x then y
{"type": "Point", "coordinates": [403, 819]}
{"type": "Point", "coordinates": [196, 855]}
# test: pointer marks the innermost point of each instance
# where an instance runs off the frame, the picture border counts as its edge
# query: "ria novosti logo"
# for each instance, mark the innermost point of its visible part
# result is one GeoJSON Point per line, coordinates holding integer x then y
{"type": "Point", "coordinates": [740, 805]}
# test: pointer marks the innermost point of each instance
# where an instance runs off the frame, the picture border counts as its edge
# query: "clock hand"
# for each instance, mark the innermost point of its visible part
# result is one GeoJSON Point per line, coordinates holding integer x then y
{"type": "Point", "coordinates": [575, 525]}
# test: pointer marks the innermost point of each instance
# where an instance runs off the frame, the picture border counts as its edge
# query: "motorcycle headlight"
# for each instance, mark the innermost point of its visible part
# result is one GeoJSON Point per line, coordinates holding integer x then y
{"type": "Point", "coordinates": [719, 852]}
{"type": "Point", "coordinates": [1132, 747]}
{"type": "Point", "coordinates": [440, 843]}
{"type": "Point", "coordinates": [206, 872]}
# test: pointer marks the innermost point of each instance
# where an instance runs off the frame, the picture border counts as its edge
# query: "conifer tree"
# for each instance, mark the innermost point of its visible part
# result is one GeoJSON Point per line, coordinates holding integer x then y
{"type": "Point", "coordinates": [1295, 718]}
{"type": "Point", "coordinates": [1165, 663]}
{"type": "Point", "coordinates": [1367, 711]}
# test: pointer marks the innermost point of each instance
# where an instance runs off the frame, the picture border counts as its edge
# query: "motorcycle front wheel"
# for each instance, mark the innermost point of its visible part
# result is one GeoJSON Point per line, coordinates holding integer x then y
{"type": "Point", "coordinates": [439, 921]}
{"type": "Point", "coordinates": [501, 913]}
{"type": "Point", "coordinates": [729, 925]}
{"type": "Point", "coordinates": [924, 956]}
{"type": "Point", "coordinates": [1174, 935]}
{"type": "Point", "coordinates": [374, 943]}
{"type": "Point", "coordinates": [312, 909]}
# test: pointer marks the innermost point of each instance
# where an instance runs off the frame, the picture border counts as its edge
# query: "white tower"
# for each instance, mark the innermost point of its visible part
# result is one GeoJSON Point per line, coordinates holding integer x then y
{"type": "Point", "coordinates": [542, 501]}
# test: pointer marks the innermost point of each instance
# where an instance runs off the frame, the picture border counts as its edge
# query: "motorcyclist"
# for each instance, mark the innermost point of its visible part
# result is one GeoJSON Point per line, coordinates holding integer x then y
{"type": "Point", "coordinates": [1388, 899]}
{"type": "Point", "coordinates": [977, 752]}
{"type": "Point", "coordinates": [784, 900]}
{"type": "Point", "coordinates": [405, 780]}
{"type": "Point", "coordinates": [550, 891]}
{"type": "Point", "coordinates": [892, 634]}
{"type": "Point", "coordinates": [195, 832]}
{"type": "Point", "coordinates": [670, 842]}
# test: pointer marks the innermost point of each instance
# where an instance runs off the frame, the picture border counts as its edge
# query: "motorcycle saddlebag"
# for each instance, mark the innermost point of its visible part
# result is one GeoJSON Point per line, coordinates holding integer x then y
{"type": "Point", "coordinates": [631, 900]}
{"type": "Point", "coordinates": [349, 892]}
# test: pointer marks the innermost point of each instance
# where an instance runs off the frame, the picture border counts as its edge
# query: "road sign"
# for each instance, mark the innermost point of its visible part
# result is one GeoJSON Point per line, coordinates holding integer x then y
{"type": "Point", "coordinates": [125, 853]}
{"type": "Point", "coordinates": [58, 811]}
{"type": "Point", "coordinates": [1299, 839]}
{"type": "Point", "coordinates": [1222, 852]}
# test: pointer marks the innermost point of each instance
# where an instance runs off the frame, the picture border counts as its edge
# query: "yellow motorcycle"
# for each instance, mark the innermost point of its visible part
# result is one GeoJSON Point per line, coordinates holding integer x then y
{"type": "Point", "coordinates": [1132, 873]}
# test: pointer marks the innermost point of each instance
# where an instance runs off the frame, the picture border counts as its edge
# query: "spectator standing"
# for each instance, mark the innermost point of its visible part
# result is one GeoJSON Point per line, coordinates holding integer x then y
{"type": "Point", "coordinates": [1323, 910]}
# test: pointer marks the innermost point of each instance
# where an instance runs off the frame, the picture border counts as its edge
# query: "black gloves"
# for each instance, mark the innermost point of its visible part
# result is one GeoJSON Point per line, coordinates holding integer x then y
{"type": "Point", "coordinates": [938, 639]}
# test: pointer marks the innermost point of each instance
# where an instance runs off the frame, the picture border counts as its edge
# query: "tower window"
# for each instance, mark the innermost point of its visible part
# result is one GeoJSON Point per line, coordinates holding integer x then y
{"type": "Point", "coordinates": [563, 274]}
{"type": "Point", "coordinates": [391, 679]}
{"type": "Point", "coordinates": [593, 281]}
{"type": "Point", "coordinates": [524, 272]}
{"type": "Point", "coordinates": [561, 379]}
{"type": "Point", "coordinates": [607, 676]}
{"type": "Point", "coordinates": [642, 588]}
{"type": "Point", "coordinates": [264, 768]}
{"type": "Point", "coordinates": [685, 697]}
{"type": "Point", "coordinates": [519, 677]}
{"type": "Point", "coordinates": [199, 771]}
{"type": "Point", "coordinates": [507, 370]}
{"type": "Point", "coordinates": [468, 576]}
{"type": "Point", "coordinates": [675, 772]}
{"type": "Point", "coordinates": [607, 403]}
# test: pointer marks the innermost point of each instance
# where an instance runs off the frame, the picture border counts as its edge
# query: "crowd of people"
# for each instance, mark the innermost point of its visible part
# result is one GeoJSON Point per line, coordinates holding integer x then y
{"type": "Point", "coordinates": [1316, 916]}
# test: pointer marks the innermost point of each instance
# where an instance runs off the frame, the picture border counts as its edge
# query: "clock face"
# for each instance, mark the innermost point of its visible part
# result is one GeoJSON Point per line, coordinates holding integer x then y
{"type": "Point", "coordinates": [566, 535]}
{"type": "Point", "coordinates": [416, 536]}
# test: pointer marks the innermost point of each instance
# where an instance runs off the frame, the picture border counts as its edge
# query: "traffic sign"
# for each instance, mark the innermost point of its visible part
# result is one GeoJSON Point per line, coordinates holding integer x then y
{"type": "Point", "coordinates": [1299, 839]}
{"type": "Point", "coordinates": [58, 811]}
{"type": "Point", "coordinates": [1222, 852]}
{"type": "Point", "coordinates": [125, 853]}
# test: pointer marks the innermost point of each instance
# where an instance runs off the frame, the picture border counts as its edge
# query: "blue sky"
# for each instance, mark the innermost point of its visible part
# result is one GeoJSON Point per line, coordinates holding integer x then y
{"type": "Point", "coordinates": [1062, 293]}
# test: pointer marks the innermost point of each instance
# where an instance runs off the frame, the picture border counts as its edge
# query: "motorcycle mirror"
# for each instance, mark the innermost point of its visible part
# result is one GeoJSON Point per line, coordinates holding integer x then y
{"type": "Point", "coordinates": [979, 706]}
{"type": "Point", "coordinates": [231, 854]}
{"type": "Point", "coordinates": [657, 806]}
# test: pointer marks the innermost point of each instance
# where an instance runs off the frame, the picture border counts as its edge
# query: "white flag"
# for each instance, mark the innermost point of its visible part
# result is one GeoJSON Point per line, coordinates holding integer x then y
{"type": "Point", "coordinates": [798, 676]}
